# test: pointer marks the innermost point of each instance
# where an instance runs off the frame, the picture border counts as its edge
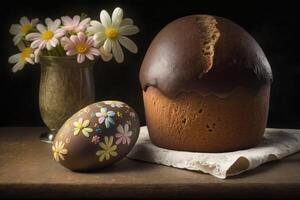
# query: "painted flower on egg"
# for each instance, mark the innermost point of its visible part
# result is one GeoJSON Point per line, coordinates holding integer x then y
{"type": "Point", "coordinates": [106, 117]}
{"type": "Point", "coordinates": [59, 151]}
{"type": "Point", "coordinates": [113, 104]}
{"type": "Point", "coordinates": [95, 139]}
{"type": "Point", "coordinates": [123, 134]}
{"type": "Point", "coordinates": [108, 149]}
{"type": "Point", "coordinates": [82, 126]}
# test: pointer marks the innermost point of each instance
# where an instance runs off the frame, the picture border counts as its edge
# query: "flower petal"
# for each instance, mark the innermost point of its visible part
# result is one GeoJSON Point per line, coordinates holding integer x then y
{"type": "Point", "coordinates": [86, 123]}
{"type": "Point", "coordinates": [107, 156]}
{"type": "Point", "coordinates": [24, 20]}
{"type": "Point", "coordinates": [76, 20]}
{"type": "Point", "coordinates": [81, 37]}
{"type": "Point", "coordinates": [74, 39]}
{"type": "Point", "coordinates": [107, 45]}
{"type": "Point", "coordinates": [111, 113]}
{"type": "Point", "coordinates": [88, 130]}
{"type": "Point", "coordinates": [59, 33]}
{"type": "Point", "coordinates": [90, 56]}
{"type": "Point", "coordinates": [101, 158]}
{"type": "Point", "coordinates": [84, 23]}
{"type": "Point", "coordinates": [55, 155]}
{"type": "Point", "coordinates": [14, 58]}
{"type": "Point", "coordinates": [102, 145]}
{"type": "Point", "coordinates": [113, 148]}
{"type": "Point", "coordinates": [41, 28]}
{"type": "Point", "coordinates": [99, 38]}
{"type": "Point", "coordinates": [118, 141]}
{"type": "Point", "coordinates": [17, 39]}
{"type": "Point", "coordinates": [94, 51]}
{"type": "Point", "coordinates": [89, 42]}
{"type": "Point", "coordinates": [29, 60]}
{"type": "Point", "coordinates": [96, 27]}
{"type": "Point", "coordinates": [117, 52]}
{"type": "Point", "coordinates": [61, 156]}
{"type": "Point", "coordinates": [15, 29]}
{"type": "Point", "coordinates": [105, 55]}
{"type": "Point", "coordinates": [105, 18]}
{"type": "Point", "coordinates": [128, 44]}
{"type": "Point", "coordinates": [120, 129]}
{"type": "Point", "coordinates": [18, 66]}
{"type": "Point", "coordinates": [106, 140]}
{"type": "Point", "coordinates": [103, 110]}
{"type": "Point", "coordinates": [110, 120]}
{"type": "Point", "coordinates": [85, 133]}
{"type": "Point", "coordinates": [34, 21]}
{"type": "Point", "coordinates": [107, 125]}
{"type": "Point", "coordinates": [64, 151]}
{"type": "Point", "coordinates": [126, 21]}
{"type": "Point", "coordinates": [110, 141]}
{"type": "Point", "coordinates": [33, 36]}
{"type": "Point", "coordinates": [128, 140]}
{"type": "Point", "coordinates": [117, 17]}
{"type": "Point", "coordinates": [64, 41]}
{"type": "Point", "coordinates": [126, 128]}
{"type": "Point", "coordinates": [76, 131]}
{"type": "Point", "coordinates": [37, 54]}
{"type": "Point", "coordinates": [98, 153]}
{"type": "Point", "coordinates": [54, 42]}
{"type": "Point", "coordinates": [71, 52]}
{"type": "Point", "coordinates": [129, 30]}
{"type": "Point", "coordinates": [66, 20]}
{"type": "Point", "coordinates": [48, 45]}
{"type": "Point", "coordinates": [80, 58]}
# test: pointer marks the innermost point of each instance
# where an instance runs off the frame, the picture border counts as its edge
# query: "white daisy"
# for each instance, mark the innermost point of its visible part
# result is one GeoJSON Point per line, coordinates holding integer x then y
{"type": "Point", "coordinates": [20, 30]}
{"type": "Point", "coordinates": [20, 59]}
{"type": "Point", "coordinates": [112, 32]}
{"type": "Point", "coordinates": [47, 36]}
{"type": "Point", "coordinates": [75, 25]}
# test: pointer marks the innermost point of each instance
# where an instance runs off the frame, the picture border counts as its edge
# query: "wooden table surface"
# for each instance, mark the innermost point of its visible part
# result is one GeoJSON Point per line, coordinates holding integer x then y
{"type": "Point", "coordinates": [27, 169]}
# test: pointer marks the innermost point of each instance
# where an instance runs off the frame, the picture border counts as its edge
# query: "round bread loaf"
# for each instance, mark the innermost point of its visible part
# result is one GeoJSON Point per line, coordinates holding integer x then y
{"type": "Point", "coordinates": [206, 86]}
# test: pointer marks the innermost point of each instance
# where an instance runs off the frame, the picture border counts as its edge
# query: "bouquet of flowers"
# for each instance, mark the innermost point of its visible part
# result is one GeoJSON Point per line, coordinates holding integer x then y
{"type": "Point", "coordinates": [78, 36]}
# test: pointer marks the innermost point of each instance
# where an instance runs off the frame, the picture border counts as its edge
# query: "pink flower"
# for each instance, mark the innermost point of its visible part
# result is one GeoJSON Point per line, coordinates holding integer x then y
{"type": "Point", "coordinates": [95, 139]}
{"type": "Point", "coordinates": [75, 25]}
{"type": "Point", "coordinates": [123, 135]}
{"type": "Point", "coordinates": [81, 46]}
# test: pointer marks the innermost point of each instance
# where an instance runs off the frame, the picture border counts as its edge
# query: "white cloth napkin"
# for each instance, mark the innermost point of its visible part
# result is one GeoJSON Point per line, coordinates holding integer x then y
{"type": "Point", "coordinates": [276, 144]}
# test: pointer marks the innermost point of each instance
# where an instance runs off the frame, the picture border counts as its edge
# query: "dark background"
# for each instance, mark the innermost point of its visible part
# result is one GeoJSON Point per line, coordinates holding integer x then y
{"type": "Point", "coordinates": [274, 25]}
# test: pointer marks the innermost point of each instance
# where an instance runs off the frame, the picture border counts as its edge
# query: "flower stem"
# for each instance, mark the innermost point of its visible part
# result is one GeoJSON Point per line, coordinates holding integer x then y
{"type": "Point", "coordinates": [61, 50]}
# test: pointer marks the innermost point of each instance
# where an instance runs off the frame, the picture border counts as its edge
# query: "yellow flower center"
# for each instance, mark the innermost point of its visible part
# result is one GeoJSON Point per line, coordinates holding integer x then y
{"type": "Point", "coordinates": [80, 126]}
{"type": "Point", "coordinates": [105, 114]}
{"type": "Point", "coordinates": [112, 33]}
{"type": "Point", "coordinates": [47, 35]}
{"type": "Point", "coordinates": [71, 29]}
{"type": "Point", "coordinates": [26, 28]}
{"type": "Point", "coordinates": [81, 48]}
{"type": "Point", "coordinates": [26, 52]}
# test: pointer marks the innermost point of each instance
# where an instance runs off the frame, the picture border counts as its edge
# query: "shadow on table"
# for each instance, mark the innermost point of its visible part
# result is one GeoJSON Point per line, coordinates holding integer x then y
{"type": "Point", "coordinates": [125, 165]}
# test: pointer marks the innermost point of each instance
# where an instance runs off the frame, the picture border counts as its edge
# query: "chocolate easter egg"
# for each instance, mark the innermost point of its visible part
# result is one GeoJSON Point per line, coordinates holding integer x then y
{"type": "Point", "coordinates": [96, 136]}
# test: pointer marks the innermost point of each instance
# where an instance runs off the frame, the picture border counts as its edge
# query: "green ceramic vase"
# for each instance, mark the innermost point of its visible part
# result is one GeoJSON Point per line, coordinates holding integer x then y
{"type": "Point", "coordinates": [65, 87]}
